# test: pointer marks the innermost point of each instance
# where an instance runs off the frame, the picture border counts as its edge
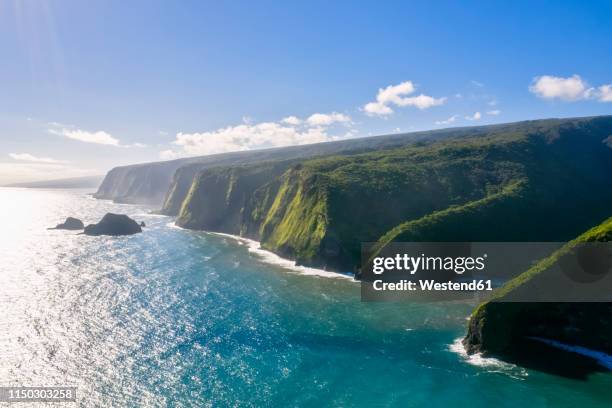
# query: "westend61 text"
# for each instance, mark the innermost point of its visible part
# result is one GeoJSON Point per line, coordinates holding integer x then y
{"type": "Point", "coordinates": [432, 285]}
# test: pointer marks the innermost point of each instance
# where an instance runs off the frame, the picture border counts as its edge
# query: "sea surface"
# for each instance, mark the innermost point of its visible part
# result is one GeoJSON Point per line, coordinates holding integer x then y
{"type": "Point", "coordinates": [178, 318]}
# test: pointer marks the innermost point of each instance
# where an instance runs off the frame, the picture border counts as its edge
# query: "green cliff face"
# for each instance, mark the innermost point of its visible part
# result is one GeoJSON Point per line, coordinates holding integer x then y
{"type": "Point", "coordinates": [167, 183]}
{"type": "Point", "coordinates": [499, 326]}
{"type": "Point", "coordinates": [217, 197]}
{"type": "Point", "coordinates": [295, 223]}
{"type": "Point", "coordinates": [503, 183]}
{"type": "Point", "coordinates": [179, 188]}
{"type": "Point", "coordinates": [272, 202]}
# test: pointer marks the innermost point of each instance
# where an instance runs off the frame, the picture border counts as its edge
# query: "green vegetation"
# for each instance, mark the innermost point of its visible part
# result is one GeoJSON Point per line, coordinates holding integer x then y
{"type": "Point", "coordinates": [296, 222]}
{"type": "Point", "coordinates": [531, 181]}
{"type": "Point", "coordinates": [167, 183]}
{"type": "Point", "coordinates": [217, 197]}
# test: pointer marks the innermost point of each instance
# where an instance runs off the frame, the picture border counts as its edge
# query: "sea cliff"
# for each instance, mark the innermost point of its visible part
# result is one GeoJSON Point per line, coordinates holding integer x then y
{"type": "Point", "coordinates": [512, 183]}
{"type": "Point", "coordinates": [501, 325]}
{"type": "Point", "coordinates": [524, 181]}
{"type": "Point", "coordinates": [166, 183]}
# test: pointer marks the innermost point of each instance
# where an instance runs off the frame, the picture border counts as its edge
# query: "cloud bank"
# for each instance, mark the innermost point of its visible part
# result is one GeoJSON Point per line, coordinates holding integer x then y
{"type": "Point", "coordinates": [288, 131]}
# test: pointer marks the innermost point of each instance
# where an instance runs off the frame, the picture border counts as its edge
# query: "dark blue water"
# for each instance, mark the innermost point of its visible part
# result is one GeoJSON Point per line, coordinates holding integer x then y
{"type": "Point", "coordinates": [179, 318]}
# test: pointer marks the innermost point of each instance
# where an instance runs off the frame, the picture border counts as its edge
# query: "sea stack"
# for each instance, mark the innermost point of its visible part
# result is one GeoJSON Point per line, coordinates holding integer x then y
{"type": "Point", "coordinates": [114, 224]}
{"type": "Point", "coordinates": [70, 224]}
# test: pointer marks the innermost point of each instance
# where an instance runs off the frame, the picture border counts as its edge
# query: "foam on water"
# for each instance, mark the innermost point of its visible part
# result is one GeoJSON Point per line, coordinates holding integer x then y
{"type": "Point", "coordinates": [273, 259]}
{"type": "Point", "coordinates": [490, 363]}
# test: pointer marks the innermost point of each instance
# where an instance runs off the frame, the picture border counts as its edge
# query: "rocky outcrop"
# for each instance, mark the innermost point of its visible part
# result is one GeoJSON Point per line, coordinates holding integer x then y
{"type": "Point", "coordinates": [503, 325]}
{"type": "Point", "coordinates": [114, 224]}
{"type": "Point", "coordinates": [70, 224]}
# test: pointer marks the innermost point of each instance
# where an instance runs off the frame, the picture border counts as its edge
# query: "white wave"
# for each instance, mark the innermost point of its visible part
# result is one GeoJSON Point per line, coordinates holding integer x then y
{"type": "Point", "coordinates": [490, 363]}
{"type": "Point", "coordinates": [272, 258]}
{"type": "Point", "coordinates": [150, 215]}
{"type": "Point", "coordinates": [602, 358]}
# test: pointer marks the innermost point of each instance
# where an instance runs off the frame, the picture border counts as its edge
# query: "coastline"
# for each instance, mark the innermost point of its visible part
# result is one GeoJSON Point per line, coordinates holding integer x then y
{"type": "Point", "coordinates": [491, 363]}
{"type": "Point", "coordinates": [271, 258]}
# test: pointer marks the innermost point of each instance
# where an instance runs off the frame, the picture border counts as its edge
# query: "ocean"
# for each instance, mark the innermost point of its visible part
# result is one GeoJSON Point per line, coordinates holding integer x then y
{"type": "Point", "coordinates": [172, 317]}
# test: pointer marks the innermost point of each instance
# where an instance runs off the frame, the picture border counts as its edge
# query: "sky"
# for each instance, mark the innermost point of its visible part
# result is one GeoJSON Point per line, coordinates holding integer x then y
{"type": "Point", "coordinates": [86, 86]}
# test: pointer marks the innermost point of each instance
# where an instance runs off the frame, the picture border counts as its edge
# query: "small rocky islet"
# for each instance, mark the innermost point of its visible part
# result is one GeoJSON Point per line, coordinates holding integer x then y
{"type": "Point", "coordinates": [71, 223]}
{"type": "Point", "coordinates": [111, 224]}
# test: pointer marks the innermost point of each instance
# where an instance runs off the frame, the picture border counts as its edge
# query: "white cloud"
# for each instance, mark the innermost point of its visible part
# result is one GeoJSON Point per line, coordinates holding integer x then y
{"type": "Point", "coordinates": [476, 83]}
{"type": "Point", "coordinates": [494, 112]}
{"type": "Point", "coordinates": [377, 109]}
{"type": "Point", "coordinates": [33, 159]}
{"type": "Point", "coordinates": [572, 88]}
{"type": "Point", "coordinates": [398, 95]}
{"type": "Point", "coordinates": [569, 89]}
{"type": "Point", "coordinates": [292, 120]}
{"type": "Point", "coordinates": [422, 101]}
{"type": "Point", "coordinates": [394, 93]}
{"type": "Point", "coordinates": [475, 116]}
{"type": "Point", "coordinates": [289, 131]}
{"type": "Point", "coordinates": [99, 137]}
{"type": "Point", "coordinates": [326, 119]}
{"type": "Point", "coordinates": [605, 93]}
{"type": "Point", "coordinates": [447, 121]}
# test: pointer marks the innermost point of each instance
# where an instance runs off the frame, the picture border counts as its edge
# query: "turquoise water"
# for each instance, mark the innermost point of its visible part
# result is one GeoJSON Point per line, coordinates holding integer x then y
{"type": "Point", "coordinates": [180, 318]}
